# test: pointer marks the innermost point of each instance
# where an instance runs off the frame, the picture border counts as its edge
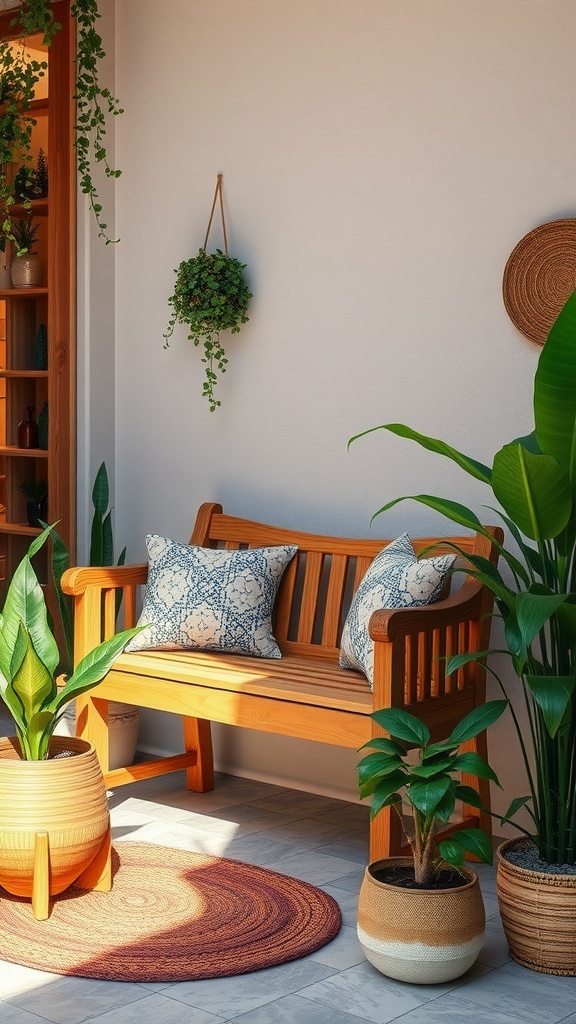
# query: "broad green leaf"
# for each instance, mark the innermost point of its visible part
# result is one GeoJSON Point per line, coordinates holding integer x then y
{"type": "Point", "coordinates": [451, 509]}
{"type": "Point", "coordinates": [92, 669]}
{"type": "Point", "coordinates": [25, 603]}
{"type": "Point", "coordinates": [388, 746]}
{"type": "Point", "coordinates": [39, 732]}
{"type": "Point", "coordinates": [445, 808]}
{"type": "Point", "coordinates": [426, 796]}
{"type": "Point", "coordinates": [534, 490]}
{"type": "Point", "coordinates": [552, 694]}
{"type": "Point", "coordinates": [471, 466]}
{"type": "Point", "coordinates": [497, 587]}
{"type": "Point", "coordinates": [33, 684]}
{"type": "Point", "coordinates": [529, 442]}
{"type": "Point", "coordinates": [459, 660]}
{"type": "Point", "coordinates": [478, 720]}
{"type": "Point", "coordinates": [533, 611]}
{"type": "Point", "coordinates": [428, 771]}
{"type": "Point", "coordinates": [472, 764]}
{"type": "Point", "coordinates": [555, 391]}
{"type": "Point", "coordinates": [402, 725]}
{"type": "Point", "coordinates": [377, 765]}
{"type": "Point", "coordinates": [475, 841]}
{"type": "Point", "coordinates": [380, 801]}
{"type": "Point", "coordinates": [438, 749]}
{"type": "Point", "coordinates": [468, 795]}
{"type": "Point", "coordinates": [452, 852]}
{"type": "Point", "coordinates": [14, 705]}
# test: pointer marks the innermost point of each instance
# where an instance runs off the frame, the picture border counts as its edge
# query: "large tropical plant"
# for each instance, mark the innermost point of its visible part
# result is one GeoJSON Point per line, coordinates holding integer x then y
{"type": "Point", "coordinates": [29, 659]}
{"type": "Point", "coordinates": [20, 73]}
{"type": "Point", "coordinates": [533, 479]}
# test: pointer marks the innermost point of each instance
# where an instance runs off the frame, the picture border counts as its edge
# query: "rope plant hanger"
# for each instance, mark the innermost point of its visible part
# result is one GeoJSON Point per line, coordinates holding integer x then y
{"type": "Point", "coordinates": [210, 296]}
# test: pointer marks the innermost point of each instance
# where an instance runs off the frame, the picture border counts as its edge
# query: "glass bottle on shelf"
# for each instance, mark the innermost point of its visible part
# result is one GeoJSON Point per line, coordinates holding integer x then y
{"type": "Point", "coordinates": [28, 430]}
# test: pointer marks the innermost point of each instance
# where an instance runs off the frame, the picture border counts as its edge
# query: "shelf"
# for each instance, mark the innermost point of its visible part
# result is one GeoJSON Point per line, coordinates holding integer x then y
{"type": "Point", "coordinates": [22, 293]}
{"type": "Point", "coordinates": [26, 453]}
{"type": "Point", "coordinates": [24, 374]}
{"type": "Point", "coordinates": [20, 529]}
{"type": "Point", "coordinates": [38, 208]}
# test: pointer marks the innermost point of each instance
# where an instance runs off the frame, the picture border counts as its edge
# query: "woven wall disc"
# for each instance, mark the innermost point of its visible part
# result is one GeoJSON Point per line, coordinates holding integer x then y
{"type": "Point", "coordinates": [540, 276]}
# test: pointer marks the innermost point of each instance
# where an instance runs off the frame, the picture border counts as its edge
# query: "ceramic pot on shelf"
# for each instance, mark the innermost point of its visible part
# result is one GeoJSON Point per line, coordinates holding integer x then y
{"type": "Point", "coordinates": [27, 271]}
{"type": "Point", "coordinates": [422, 936]}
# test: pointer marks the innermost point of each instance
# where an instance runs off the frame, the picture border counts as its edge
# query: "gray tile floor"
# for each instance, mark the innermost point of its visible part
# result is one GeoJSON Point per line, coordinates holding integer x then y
{"type": "Point", "coordinates": [324, 842]}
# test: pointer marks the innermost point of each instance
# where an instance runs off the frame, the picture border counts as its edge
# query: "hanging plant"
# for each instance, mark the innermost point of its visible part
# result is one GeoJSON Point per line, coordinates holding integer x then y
{"type": "Point", "coordinates": [20, 73]}
{"type": "Point", "coordinates": [210, 296]}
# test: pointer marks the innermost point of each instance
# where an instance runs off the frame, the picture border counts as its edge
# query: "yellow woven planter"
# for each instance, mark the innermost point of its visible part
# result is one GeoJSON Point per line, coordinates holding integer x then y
{"type": "Point", "coordinates": [423, 936]}
{"type": "Point", "coordinates": [538, 914]}
{"type": "Point", "coordinates": [53, 816]}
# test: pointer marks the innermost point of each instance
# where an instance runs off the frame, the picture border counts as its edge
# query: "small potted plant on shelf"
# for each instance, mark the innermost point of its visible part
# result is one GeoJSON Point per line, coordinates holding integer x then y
{"type": "Point", "coordinates": [421, 918]}
{"type": "Point", "coordinates": [44, 845]}
{"type": "Point", "coordinates": [27, 268]}
{"type": "Point", "coordinates": [20, 72]}
{"type": "Point", "coordinates": [36, 494]}
{"type": "Point", "coordinates": [5, 274]}
{"type": "Point", "coordinates": [533, 479]}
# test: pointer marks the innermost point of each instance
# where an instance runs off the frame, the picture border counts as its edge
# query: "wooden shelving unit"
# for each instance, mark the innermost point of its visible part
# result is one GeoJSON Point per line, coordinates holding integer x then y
{"type": "Point", "coordinates": [22, 310]}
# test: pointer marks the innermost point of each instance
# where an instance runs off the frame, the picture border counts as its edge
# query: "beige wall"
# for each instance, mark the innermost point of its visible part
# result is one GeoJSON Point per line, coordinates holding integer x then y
{"type": "Point", "coordinates": [381, 158]}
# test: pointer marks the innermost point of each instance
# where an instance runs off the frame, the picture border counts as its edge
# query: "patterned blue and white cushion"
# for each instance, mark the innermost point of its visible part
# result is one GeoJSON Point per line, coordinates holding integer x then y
{"type": "Point", "coordinates": [395, 579]}
{"type": "Point", "coordinates": [206, 599]}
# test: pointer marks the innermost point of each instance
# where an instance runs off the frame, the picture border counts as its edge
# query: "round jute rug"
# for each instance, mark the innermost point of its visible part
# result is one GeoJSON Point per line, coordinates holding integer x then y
{"type": "Point", "coordinates": [171, 916]}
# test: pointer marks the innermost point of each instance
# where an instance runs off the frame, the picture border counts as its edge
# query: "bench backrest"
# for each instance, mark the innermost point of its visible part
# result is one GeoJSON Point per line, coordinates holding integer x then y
{"type": "Point", "coordinates": [319, 584]}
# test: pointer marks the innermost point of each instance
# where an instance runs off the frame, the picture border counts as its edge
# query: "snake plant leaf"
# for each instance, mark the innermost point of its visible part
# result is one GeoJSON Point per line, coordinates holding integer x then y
{"type": "Point", "coordinates": [92, 669]}
{"type": "Point", "coordinates": [101, 493]}
{"type": "Point", "coordinates": [555, 391]}
{"type": "Point", "coordinates": [426, 796]}
{"type": "Point", "coordinates": [534, 490]}
{"type": "Point", "coordinates": [471, 466]}
{"type": "Point", "coordinates": [478, 720]}
{"type": "Point", "coordinates": [552, 694]}
{"type": "Point", "coordinates": [402, 725]}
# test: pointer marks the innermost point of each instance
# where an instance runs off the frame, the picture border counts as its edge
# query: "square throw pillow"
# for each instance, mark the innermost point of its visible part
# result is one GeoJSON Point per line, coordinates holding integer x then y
{"type": "Point", "coordinates": [395, 579]}
{"type": "Point", "coordinates": [207, 599]}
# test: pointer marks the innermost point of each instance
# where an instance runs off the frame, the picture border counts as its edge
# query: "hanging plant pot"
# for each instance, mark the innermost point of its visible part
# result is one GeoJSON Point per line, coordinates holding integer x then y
{"type": "Point", "coordinates": [423, 936]}
{"type": "Point", "coordinates": [538, 912]}
{"type": "Point", "coordinates": [210, 296]}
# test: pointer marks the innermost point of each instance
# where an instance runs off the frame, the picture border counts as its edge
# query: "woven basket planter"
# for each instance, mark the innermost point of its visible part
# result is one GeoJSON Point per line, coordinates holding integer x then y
{"type": "Point", "coordinates": [423, 936]}
{"type": "Point", "coordinates": [64, 798]}
{"type": "Point", "coordinates": [538, 914]}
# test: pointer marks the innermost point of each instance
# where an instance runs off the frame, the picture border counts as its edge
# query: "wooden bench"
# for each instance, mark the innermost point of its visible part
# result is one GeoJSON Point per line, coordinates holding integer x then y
{"type": "Point", "coordinates": [304, 694]}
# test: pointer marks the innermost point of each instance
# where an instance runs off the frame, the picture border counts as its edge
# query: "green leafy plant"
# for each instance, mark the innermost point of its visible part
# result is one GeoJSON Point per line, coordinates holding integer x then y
{"type": "Point", "coordinates": [210, 296]}
{"type": "Point", "coordinates": [24, 236]}
{"type": "Point", "coordinates": [533, 478]}
{"type": "Point", "coordinates": [29, 659]}
{"type": "Point", "coordinates": [20, 73]}
{"type": "Point", "coordinates": [101, 553]}
{"type": "Point", "coordinates": [34, 490]}
{"type": "Point", "coordinates": [430, 786]}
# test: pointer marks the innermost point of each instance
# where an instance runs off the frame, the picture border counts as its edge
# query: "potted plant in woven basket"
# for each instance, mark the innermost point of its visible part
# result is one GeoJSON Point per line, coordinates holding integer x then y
{"type": "Point", "coordinates": [210, 296]}
{"type": "Point", "coordinates": [421, 918]}
{"type": "Point", "coordinates": [533, 478]}
{"type": "Point", "coordinates": [54, 821]}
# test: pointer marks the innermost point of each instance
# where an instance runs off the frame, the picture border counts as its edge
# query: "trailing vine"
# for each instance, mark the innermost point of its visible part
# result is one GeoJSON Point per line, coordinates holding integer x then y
{"type": "Point", "coordinates": [210, 296]}
{"type": "Point", "coordinates": [20, 72]}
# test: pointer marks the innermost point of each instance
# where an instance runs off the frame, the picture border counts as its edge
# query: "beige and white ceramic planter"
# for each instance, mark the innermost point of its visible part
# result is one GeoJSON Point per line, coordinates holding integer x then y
{"type": "Point", "coordinates": [423, 936]}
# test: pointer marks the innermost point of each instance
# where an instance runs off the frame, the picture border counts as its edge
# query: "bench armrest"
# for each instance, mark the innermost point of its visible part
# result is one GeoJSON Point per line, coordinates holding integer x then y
{"type": "Point", "coordinates": [389, 624]}
{"type": "Point", "coordinates": [75, 581]}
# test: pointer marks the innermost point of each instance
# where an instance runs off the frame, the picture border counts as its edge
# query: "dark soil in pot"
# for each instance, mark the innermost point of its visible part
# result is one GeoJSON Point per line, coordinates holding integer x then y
{"type": "Point", "coordinates": [403, 877]}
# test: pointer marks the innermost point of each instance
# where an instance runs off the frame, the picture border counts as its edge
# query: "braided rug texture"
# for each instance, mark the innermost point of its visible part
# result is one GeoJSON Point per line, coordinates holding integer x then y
{"type": "Point", "coordinates": [539, 277]}
{"type": "Point", "coordinates": [172, 915]}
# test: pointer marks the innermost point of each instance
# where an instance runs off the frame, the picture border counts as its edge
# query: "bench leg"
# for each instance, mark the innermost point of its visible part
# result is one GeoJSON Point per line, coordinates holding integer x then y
{"type": "Point", "coordinates": [198, 737]}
